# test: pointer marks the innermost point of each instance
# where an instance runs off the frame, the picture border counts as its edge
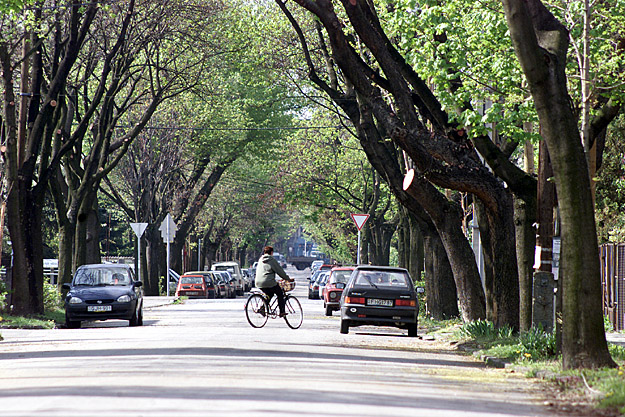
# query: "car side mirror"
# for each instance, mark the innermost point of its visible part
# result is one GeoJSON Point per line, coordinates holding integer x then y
{"type": "Point", "coordinates": [66, 287]}
{"type": "Point", "coordinates": [420, 290]}
{"type": "Point", "coordinates": [340, 285]}
{"type": "Point", "coordinates": [137, 284]}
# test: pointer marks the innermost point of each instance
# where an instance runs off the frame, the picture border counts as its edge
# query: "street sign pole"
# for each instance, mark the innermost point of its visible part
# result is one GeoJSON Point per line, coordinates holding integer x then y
{"type": "Point", "coordinates": [358, 253]}
{"type": "Point", "coordinates": [167, 271]}
{"type": "Point", "coordinates": [360, 220]}
{"type": "Point", "coordinates": [168, 228]}
{"type": "Point", "coordinates": [139, 228]}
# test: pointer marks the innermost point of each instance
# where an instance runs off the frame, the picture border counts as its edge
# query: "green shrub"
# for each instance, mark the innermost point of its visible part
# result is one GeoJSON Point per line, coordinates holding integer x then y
{"type": "Point", "coordinates": [609, 328]}
{"type": "Point", "coordinates": [537, 344]}
{"type": "Point", "coordinates": [3, 294]}
{"type": "Point", "coordinates": [485, 330]}
{"type": "Point", "coordinates": [51, 296]}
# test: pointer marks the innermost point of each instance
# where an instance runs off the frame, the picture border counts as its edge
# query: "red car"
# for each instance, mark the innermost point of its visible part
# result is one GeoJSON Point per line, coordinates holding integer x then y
{"type": "Point", "coordinates": [192, 286]}
{"type": "Point", "coordinates": [334, 288]}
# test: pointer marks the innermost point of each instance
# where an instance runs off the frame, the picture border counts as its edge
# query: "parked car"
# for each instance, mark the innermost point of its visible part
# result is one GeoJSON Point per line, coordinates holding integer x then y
{"type": "Point", "coordinates": [191, 286]}
{"type": "Point", "coordinates": [281, 259]}
{"type": "Point", "coordinates": [103, 292]}
{"type": "Point", "coordinates": [235, 271]}
{"type": "Point", "coordinates": [315, 265]}
{"type": "Point", "coordinates": [334, 288]}
{"type": "Point", "coordinates": [253, 273]}
{"type": "Point", "coordinates": [311, 284]}
{"type": "Point", "coordinates": [209, 282]}
{"type": "Point", "coordinates": [229, 283]}
{"type": "Point", "coordinates": [379, 296]}
{"type": "Point", "coordinates": [322, 281]}
{"type": "Point", "coordinates": [221, 290]}
{"type": "Point", "coordinates": [316, 284]}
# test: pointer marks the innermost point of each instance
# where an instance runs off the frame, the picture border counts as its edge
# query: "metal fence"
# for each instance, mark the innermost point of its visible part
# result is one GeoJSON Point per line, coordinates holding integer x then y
{"type": "Point", "coordinates": [613, 283]}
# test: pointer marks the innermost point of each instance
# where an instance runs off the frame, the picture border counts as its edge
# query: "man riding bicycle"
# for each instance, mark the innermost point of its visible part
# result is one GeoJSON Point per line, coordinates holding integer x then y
{"type": "Point", "coordinates": [266, 272]}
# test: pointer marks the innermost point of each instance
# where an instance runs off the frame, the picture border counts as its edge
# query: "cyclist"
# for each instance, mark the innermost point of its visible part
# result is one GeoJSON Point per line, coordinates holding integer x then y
{"type": "Point", "coordinates": [266, 272]}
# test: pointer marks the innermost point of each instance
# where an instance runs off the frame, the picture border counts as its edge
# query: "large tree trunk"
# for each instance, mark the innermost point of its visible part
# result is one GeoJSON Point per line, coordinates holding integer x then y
{"type": "Point", "coordinates": [524, 218]}
{"type": "Point", "coordinates": [155, 260]}
{"type": "Point", "coordinates": [441, 295]}
{"type": "Point", "coordinates": [541, 44]}
{"type": "Point", "coordinates": [24, 224]}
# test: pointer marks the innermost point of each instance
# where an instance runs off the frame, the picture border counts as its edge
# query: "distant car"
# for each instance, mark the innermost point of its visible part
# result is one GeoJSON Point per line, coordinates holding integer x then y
{"type": "Point", "coordinates": [235, 270]}
{"type": "Point", "coordinates": [315, 265]}
{"type": "Point", "coordinates": [252, 271]}
{"type": "Point", "coordinates": [209, 282]}
{"type": "Point", "coordinates": [321, 282]}
{"type": "Point", "coordinates": [221, 291]}
{"type": "Point", "coordinates": [228, 282]}
{"type": "Point", "coordinates": [191, 286]}
{"type": "Point", "coordinates": [281, 259]}
{"type": "Point", "coordinates": [334, 288]}
{"type": "Point", "coordinates": [311, 283]}
{"type": "Point", "coordinates": [103, 292]}
{"type": "Point", "coordinates": [379, 296]}
{"type": "Point", "coordinates": [315, 285]}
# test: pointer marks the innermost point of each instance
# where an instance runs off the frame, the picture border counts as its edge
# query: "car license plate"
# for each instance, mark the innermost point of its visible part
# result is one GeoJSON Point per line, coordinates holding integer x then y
{"type": "Point", "coordinates": [99, 309]}
{"type": "Point", "coordinates": [379, 302]}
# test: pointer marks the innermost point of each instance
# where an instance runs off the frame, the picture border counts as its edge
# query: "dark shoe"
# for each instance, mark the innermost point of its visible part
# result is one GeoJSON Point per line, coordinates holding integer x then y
{"type": "Point", "coordinates": [282, 314]}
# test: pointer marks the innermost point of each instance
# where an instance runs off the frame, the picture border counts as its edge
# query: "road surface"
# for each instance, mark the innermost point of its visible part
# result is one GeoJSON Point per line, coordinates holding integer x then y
{"type": "Point", "coordinates": [201, 358]}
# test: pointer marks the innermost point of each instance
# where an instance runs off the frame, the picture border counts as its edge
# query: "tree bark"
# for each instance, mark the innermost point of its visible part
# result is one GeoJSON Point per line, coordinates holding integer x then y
{"type": "Point", "coordinates": [541, 45]}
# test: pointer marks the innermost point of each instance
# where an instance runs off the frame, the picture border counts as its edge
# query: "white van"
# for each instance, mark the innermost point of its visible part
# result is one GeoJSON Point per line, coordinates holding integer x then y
{"type": "Point", "coordinates": [235, 271]}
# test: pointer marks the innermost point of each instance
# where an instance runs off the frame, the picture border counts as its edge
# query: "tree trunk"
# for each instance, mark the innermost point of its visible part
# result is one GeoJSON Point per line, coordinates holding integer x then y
{"type": "Point", "coordinates": [440, 289]}
{"type": "Point", "coordinates": [155, 260]}
{"type": "Point", "coordinates": [541, 45]}
{"type": "Point", "coordinates": [524, 219]}
{"type": "Point", "coordinates": [24, 224]}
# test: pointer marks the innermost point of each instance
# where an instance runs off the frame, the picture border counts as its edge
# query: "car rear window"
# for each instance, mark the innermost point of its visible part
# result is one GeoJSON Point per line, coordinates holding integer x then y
{"type": "Point", "coordinates": [382, 279]}
{"type": "Point", "coordinates": [191, 280]}
{"type": "Point", "coordinates": [340, 276]}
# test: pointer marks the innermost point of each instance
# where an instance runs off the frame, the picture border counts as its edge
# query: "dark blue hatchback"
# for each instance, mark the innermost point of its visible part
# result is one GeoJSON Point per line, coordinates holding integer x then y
{"type": "Point", "coordinates": [379, 296]}
{"type": "Point", "coordinates": [103, 292]}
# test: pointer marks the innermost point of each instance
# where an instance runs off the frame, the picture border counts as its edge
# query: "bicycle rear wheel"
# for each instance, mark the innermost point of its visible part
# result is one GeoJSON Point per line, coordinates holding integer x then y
{"type": "Point", "coordinates": [256, 309]}
{"type": "Point", "coordinates": [295, 314]}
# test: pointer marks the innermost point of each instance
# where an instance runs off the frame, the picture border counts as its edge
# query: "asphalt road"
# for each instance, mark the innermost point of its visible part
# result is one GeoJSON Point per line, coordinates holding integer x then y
{"type": "Point", "coordinates": [201, 358]}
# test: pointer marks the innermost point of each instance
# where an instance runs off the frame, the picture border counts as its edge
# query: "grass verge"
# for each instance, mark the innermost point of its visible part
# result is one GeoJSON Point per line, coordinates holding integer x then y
{"type": "Point", "coordinates": [534, 352]}
{"type": "Point", "coordinates": [49, 320]}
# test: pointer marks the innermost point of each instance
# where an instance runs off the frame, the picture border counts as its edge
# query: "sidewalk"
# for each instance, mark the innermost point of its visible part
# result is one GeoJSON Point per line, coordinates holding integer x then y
{"type": "Point", "coordinates": [157, 301]}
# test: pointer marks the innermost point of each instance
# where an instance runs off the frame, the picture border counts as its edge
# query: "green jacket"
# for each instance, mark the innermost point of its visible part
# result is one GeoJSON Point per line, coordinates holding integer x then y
{"type": "Point", "coordinates": [266, 271]}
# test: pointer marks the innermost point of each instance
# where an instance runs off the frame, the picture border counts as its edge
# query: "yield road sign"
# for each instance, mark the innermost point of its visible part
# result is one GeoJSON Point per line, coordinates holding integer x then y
{"type": "Point", "coordinates": [360, 220]}
{"type": "Point", "coordinates": [139, 228]}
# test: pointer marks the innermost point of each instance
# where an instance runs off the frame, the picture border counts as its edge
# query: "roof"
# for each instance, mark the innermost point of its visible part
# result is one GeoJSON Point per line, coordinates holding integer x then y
{"type": "Point", "coordinates": [380, 268]}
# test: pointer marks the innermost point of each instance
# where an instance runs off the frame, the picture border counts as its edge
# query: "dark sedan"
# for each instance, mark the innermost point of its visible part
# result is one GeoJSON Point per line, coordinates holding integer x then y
{"type": "Point", "coordinates": [379, 296]}
{"type": "Point", "coordinates": [103, 292]}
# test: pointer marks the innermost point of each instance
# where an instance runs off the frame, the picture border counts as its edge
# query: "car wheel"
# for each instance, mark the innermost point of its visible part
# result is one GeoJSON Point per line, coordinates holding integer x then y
{"type": "Point", "coordinates": [137, 318]}
{"type": "Point", "coordinates": [328, 310]}
{"type": "Point", "coordinates": [344, 327]}
{"type": "Point", "coordinates": [412, 330]}
{"type": "Point", "coordinates": [71, 324]}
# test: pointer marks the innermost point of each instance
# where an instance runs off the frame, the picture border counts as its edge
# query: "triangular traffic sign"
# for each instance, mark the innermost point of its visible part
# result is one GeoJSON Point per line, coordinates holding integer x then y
{"type": "Point", "coordinates": [360, 219]}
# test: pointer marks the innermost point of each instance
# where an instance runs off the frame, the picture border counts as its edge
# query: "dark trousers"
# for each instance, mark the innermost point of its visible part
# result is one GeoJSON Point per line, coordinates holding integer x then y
{"type": "Point", "coordinates": [277, 291]}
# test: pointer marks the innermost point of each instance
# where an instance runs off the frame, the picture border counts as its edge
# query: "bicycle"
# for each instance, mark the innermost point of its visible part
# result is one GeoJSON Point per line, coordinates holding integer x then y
{"type": "Point", "coordinates": [258, 307]}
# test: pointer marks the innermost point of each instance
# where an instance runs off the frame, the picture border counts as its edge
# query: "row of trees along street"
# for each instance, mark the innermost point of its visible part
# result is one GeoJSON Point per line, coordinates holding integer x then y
{"type": "Point", "coordinates": [249, 120]}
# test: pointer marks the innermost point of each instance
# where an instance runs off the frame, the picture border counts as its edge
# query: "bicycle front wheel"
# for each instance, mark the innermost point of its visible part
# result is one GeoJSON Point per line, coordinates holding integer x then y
{"type": "Point", "coordinates": [256, 309]}
{"type": "Point", "coordinates": [294, 313]}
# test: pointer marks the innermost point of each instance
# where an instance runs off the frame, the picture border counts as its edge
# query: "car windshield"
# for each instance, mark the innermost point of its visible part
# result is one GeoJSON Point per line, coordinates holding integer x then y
{"type": "Point", "coordinates": [191, 280]}
{"type": "Point", "coordinates": [340, 276]}
{"type": "Point", "coordinates": [382, 279]}
{"type": "Point", "coordinates": [101, 276]}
